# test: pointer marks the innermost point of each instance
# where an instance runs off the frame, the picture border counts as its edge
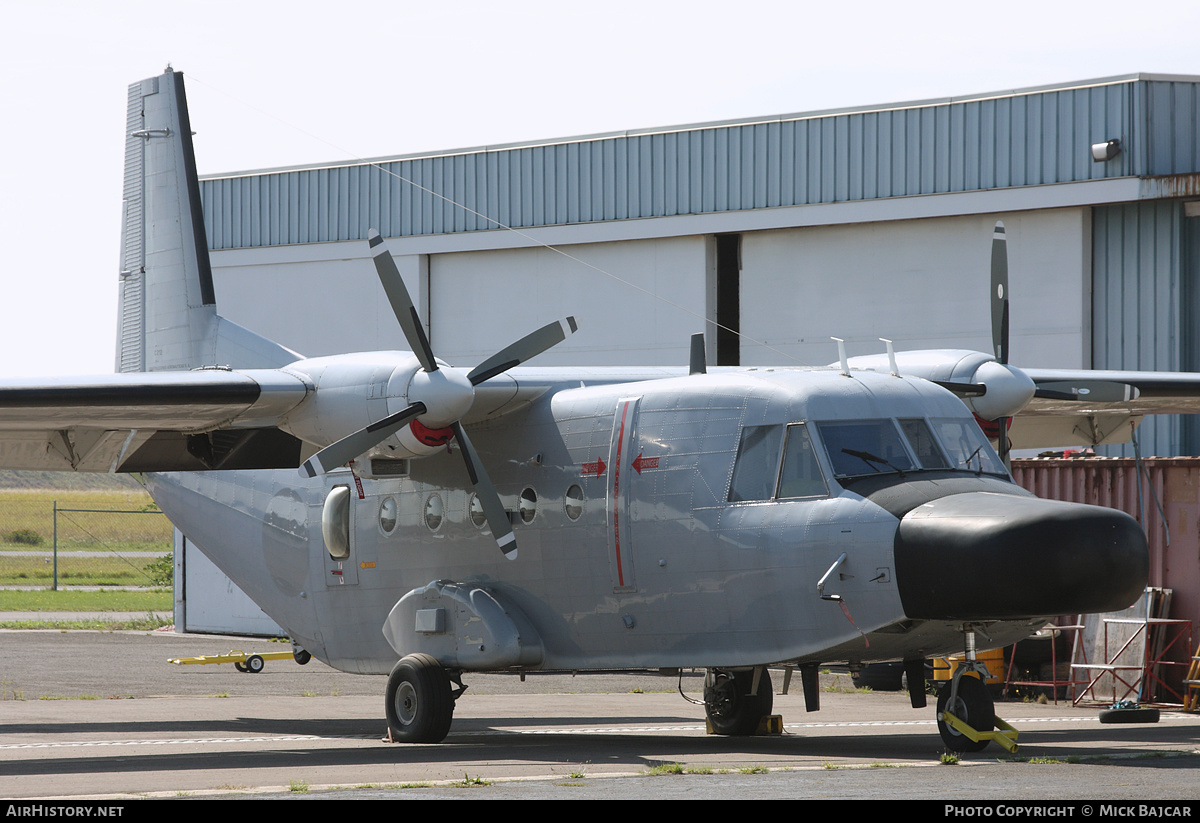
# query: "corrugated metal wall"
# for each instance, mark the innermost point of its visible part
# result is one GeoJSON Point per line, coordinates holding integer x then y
{"type": "Point", "coordinates": [1137, 307]}
{"type": "Point", "coordinates": [1174, 546]}
{"type": "Point", "coordinates": [1021, 139]}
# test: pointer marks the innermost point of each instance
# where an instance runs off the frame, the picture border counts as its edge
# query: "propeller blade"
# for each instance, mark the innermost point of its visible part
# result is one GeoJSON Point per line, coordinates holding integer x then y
{"type": "Point", "coordinates": [1088, 391]}
{"type": "Point", "coordinates": [493, 509]}
{"type": "Point", "coordinates": [1000, 294]}
{"type": "Point", "coordinates": [402, 304]}
{"type": "Point", "coordinates": [528, 347]}
{"type": "Point", "coordinates": [352, 445]}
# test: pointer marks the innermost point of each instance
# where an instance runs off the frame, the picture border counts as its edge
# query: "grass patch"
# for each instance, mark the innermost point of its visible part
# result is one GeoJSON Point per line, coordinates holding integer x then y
{"type": "Point", "coordinates": [71, 600]}
{"type": "Point", "coordinates": [298, 786]}
{"type": "Point", "coordinates": [100, 624]}
{"type": "Point", "coordinates": [471, 782]}
{"type": "Point", "coordinates": [842, 685]}
{"type": "Point", "coordinates": [38, 570]}
{"type": "Point", "coordinates": [949, 759]}
{"type": "Point", "coordinates": [665, 768]}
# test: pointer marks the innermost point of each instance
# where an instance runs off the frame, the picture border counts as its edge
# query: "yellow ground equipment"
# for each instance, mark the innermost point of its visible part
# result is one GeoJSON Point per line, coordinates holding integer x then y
{"type": "Point", "coordinates": [243, 662]}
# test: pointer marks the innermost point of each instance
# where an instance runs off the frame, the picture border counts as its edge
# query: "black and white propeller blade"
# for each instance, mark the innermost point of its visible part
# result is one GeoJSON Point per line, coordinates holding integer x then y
{"type": "Point", "coordinates": [528, 347]}
{"type": "Point", "coordinates": [402, 304]}
{"type": "Point", "coordinates": [493, 509]}
{"type": "Point", "coordinates": [1000, 322]}
{"type": "Point", "coordinates": [446, 396]}
{"type": "Point", "coordinates": [1000, 294]}
{"type": "Point", "coordinates": [352, 445]}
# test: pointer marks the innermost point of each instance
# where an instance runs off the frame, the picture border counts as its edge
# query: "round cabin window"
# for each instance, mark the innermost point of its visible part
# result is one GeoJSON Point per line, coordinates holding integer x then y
{"type": "Point", "coordinates": [573, 503]}
{"type": "Point", "coordinates": [434, 512]}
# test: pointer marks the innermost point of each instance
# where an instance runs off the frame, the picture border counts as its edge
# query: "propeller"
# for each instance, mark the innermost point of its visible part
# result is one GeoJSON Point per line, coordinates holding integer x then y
{"type": "Point", "coordinates": [440, 395]}
{"type": "Point", "coordinates": [1000, 322]}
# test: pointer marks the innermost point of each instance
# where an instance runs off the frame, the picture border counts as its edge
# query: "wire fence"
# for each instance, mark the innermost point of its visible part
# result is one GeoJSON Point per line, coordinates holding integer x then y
{"type": "Point", "coordinates": [47, 543]}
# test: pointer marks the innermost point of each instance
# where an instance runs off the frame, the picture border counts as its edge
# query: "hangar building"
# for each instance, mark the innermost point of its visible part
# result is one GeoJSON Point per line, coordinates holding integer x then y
{"type": "Point", "coordinates": [857, 223]}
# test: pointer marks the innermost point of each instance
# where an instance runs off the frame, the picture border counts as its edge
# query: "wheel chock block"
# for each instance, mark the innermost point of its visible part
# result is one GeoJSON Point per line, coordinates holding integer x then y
{"type": "Point", "coordinates": [771, 724]}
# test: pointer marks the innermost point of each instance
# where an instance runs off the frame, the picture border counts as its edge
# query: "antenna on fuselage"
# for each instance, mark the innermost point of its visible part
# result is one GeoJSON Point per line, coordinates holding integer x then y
{"type": "Point", "coordinates": [698, 364]}
{"type": "Point", "coordinates": [842, 355]}
{"type": "Point", "coordinates": [891, 357]}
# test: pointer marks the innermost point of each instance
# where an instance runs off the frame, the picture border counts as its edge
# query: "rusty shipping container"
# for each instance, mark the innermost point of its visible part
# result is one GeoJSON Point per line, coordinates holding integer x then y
{"type": "Point", "coordinates": [1166, 502]}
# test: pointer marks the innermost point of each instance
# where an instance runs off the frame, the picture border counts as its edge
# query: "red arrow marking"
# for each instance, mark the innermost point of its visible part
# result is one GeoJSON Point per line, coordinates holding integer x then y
{"type": "Point", "coordinates": [640, 463]}
{"type": "Point", "coordinates": [596, 468]}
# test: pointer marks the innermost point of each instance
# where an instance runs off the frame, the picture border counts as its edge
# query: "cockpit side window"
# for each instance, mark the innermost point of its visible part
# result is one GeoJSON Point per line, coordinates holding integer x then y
{"type": "Point", "coordinates": [966, 446]}
{"type": "Point", "coordinates": [920, 438]}
{"type": "Point", "coordinates": [801, 474]}
{"type": "Point", "coordinates": [757, 466]}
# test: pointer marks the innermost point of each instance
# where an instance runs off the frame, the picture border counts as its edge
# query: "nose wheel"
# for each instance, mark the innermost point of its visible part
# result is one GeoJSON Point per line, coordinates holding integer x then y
{"type": "Point", "coordinates": [967, 699]}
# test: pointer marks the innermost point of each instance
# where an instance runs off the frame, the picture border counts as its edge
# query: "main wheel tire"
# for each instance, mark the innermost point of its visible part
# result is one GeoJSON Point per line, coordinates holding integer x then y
{"type": "Point", "coordinates": [301, 656]}
{"type": "Point", "coordinates": [729, 705]}
{"type": "Point", "coordinates": [254, 664]}
{"type": "Point", "coordinates": [420, 704]}
{"type": "Point", "coordinates": [973, 706]}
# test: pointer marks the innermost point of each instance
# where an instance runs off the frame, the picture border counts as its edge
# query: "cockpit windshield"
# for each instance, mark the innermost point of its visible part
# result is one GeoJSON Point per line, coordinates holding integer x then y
{"type": "Point", "coordinates": [777, 462]}
{"type": "Point", "coordinates": [858, 447]}
{"type": "Point", "coordinates": [864, 447]}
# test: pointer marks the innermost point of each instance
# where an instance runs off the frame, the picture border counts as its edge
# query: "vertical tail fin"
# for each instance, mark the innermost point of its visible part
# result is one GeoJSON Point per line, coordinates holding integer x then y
{"type": "Point", "coordinates": [168, 313]}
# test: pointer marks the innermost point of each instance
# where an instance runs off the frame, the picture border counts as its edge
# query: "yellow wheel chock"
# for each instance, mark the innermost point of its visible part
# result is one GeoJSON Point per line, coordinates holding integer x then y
{"type": "Point", "coordinates": [1005, 735]}
{"type": "Point", "coordinates": [243, 662]}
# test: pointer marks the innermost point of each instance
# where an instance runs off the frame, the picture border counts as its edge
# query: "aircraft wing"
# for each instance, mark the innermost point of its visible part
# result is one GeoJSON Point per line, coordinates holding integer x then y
{"type": "Point", "coordinates": [157, 421]}
{"type": "Point", "coordinates": [1085, 407]}
{"type": "Point", "coordinates": [1070, 392]}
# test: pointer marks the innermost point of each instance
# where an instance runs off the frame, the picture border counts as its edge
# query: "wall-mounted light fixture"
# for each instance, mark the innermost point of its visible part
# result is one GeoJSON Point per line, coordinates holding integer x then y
{"type": "Point", "coordinates": [1106, 150]}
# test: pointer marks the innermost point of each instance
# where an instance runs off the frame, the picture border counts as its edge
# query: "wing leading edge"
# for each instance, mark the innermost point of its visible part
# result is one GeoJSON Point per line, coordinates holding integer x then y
{"type": "Point", "coordinates": [157, 421]}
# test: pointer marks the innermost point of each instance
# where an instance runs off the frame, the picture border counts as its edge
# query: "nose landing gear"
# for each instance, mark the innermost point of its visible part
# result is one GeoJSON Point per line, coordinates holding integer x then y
{"type": "Point", "coordinates": [966, 714]}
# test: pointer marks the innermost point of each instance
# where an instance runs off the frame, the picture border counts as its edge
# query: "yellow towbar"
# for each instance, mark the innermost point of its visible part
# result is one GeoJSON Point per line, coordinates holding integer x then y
{"type": "Point", "coordinates": [1005, 734]}
{"type": "Point", "coordinates": [250, 663]}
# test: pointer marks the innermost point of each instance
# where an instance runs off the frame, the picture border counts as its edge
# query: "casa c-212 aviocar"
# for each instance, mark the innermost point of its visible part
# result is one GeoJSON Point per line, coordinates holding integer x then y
{"type": "Point", "coordinates": [397, 515]}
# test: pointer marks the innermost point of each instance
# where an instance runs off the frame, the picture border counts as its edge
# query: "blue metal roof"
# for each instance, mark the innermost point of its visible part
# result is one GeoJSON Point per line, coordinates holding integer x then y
{"type": "Point", "coordinates": [1019, 138]}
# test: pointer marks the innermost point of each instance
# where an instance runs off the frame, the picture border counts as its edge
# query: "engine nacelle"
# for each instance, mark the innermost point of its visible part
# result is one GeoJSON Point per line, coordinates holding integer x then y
{"type": "Point", "coordinates": [357, 390]}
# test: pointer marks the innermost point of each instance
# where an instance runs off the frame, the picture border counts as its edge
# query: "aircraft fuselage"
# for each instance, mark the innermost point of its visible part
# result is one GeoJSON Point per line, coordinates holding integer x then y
{"type": "Point", "coordinates": [642, 544]}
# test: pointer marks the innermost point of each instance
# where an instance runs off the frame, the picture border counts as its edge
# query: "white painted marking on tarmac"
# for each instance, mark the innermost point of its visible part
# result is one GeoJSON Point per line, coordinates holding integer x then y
{"type": "Point", "coordinates": [291, 738]}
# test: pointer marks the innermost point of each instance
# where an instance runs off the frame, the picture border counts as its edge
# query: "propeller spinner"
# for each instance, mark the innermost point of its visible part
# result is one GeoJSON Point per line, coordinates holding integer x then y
{"type": "Point", "coordinates": [440, 396]}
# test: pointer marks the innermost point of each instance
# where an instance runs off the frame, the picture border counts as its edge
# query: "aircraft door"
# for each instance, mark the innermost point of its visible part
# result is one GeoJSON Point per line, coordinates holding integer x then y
{"type": "Point", "coordinates": [621, 453]}
{"type": "Point", "coordinates": [337, 530]}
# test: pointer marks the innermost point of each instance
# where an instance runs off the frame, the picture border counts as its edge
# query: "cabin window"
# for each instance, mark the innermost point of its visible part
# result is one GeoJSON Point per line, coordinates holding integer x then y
{"type": "Point", "coordinates": [573, 502]}
{"type": "Point", "coordinates": [434, 512]}
{"type": "Point", "coordinates": [388, 512]}
{"type": "Point", "coordinates": [920, 438]}
{"type": "Point", "coordinates": [528, 504]}
{"type": "Point", "coordinates": [757, 466]}
{"type": "Point", "coordinates": [966, 446]}
{"type": "Point", "coordinates": [801, 474]}
{"type": "Point", "coordinates": [862, 447]}
{"type": "Point", "coordinates": [475, 511]}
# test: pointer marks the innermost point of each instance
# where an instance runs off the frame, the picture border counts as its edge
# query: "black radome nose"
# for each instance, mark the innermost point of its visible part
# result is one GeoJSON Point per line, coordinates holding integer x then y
{"type": "Point", "coordinates": [984, 556]}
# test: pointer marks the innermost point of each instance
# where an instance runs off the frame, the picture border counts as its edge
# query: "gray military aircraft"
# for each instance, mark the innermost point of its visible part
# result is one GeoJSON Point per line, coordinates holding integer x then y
{"type": "Point", "coordinates": [729, 520]}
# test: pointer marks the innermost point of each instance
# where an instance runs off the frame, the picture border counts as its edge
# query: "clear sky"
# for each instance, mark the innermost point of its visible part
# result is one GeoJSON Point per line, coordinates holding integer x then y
{"type": "Point", "coordinates": [281, 83]}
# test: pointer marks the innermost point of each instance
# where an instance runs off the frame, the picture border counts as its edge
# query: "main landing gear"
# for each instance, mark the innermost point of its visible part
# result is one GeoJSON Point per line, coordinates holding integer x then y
{"type": "Point", "coordinates": [420, 700]}
{"type": "Point", "coordinates": [737, 701]}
